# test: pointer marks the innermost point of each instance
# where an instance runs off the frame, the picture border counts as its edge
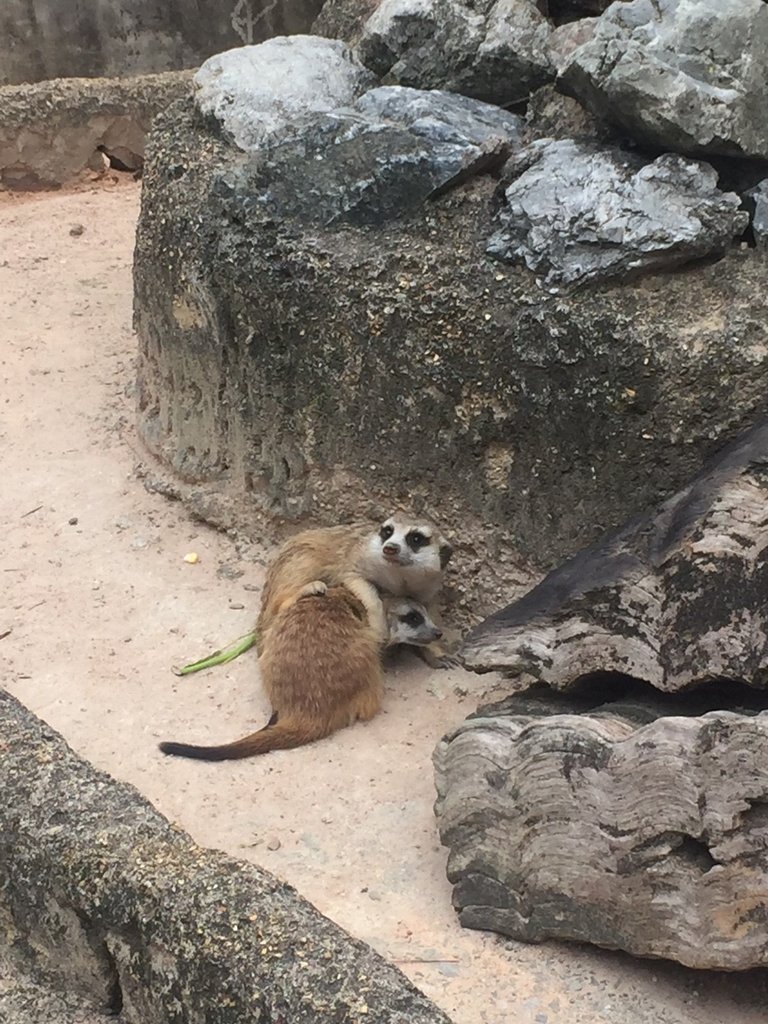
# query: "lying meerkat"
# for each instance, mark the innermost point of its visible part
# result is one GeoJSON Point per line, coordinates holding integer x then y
{"type": "Point", "coordinates": [404, 557]}
{"type": "Point", "coordinates": [321, 667]}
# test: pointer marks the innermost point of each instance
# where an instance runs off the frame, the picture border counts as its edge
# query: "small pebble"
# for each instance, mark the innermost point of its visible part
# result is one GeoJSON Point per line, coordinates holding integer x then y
{"type": "Point", "coordinates": [73, 521]}
{"type": "Point", "coordinates": [236, 606]}
{"type": "Point", "coordinates": [273, 844]}
{"type": "Point", "coordinates": [76, 229]}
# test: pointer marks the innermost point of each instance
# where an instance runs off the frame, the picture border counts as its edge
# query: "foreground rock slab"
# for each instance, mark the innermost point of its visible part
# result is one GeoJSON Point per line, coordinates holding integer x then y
{"type": "Point", "coordinates": [613, 826]}
{"type": "Point", "coordinates": [688, 75]}
{"type": "Point", "coordinates": [575, 213]}
{"type": "Point", "coordinates": [99, 889]}
{"type": "Point", "coordinates": [674, 598]}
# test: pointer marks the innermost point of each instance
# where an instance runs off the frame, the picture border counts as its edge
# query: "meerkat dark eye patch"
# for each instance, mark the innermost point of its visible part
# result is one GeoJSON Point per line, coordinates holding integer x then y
{"type": "Point", "coordinates": [416, 539]}
{"type": "Point", "coordinates": [386, 532]}
{"type": "Point", "coordinates": [413, 619]}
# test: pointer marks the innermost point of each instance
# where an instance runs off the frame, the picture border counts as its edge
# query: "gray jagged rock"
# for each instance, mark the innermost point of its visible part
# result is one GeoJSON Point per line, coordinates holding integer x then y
{"type": "Point", "coordinates": [611, 824]}
{"type": "Point", "coordinates": [576, 213]}
{"type": "Point", "coordinates": [688, 75]}
{"type": "Point", "coordinates": [675, 598]}
{"type": "Point", "coordinates": [758, 197]}
{"type": "Point", "coordinates": [387, 155]}
{"type": "Point", "coordinates": [254, 91]}
{"type": "Point", "coordinates": [495, 52]}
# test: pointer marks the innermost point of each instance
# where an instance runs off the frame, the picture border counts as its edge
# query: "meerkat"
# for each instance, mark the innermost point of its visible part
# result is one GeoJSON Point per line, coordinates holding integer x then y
{"type": "Point", "coordinates": [404, 557]}
{"type": "Point", "coordinates": [321, 667]}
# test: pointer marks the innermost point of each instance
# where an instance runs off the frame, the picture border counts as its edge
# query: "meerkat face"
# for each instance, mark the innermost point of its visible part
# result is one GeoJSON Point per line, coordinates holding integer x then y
{"type": "Point", "coordinates": [409, 623]}
{"type": "Point", "coordinates": [406, 542]}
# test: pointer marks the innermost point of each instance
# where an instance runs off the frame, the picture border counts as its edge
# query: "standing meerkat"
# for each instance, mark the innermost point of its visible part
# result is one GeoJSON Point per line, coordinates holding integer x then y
{"type": "Point", "coordinates": [404, 557]}
{"type": "Point", "coordinates": [321, 666]}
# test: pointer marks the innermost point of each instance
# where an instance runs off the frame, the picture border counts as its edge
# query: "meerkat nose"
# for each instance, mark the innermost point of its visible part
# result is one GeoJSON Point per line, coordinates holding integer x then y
{"type": "Point", "coordinates": [392, 549]}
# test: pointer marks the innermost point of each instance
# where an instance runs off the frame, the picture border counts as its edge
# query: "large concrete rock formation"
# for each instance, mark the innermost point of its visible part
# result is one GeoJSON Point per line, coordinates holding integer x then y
{"type": "Point", "coordinates": [302, 362]}
{"type": "Point", "coordinates": [99, 890]}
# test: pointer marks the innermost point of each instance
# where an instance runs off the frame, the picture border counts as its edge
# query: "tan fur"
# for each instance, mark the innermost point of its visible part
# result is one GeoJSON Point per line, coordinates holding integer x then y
{"type": "Point", "coordinates": [321, 666]}
{"type": "Point", "coordinates": [341, 554]}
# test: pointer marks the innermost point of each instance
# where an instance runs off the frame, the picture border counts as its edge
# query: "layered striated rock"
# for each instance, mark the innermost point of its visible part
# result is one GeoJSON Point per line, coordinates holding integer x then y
{"type": "Point", "coordinates": [607, 824]}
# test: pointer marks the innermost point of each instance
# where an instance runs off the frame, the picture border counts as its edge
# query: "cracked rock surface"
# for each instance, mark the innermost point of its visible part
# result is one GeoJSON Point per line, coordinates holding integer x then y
{"type": "Point", "coordinates": [688, 75]}
{"type": "Point", "coordinates": [576, 213]}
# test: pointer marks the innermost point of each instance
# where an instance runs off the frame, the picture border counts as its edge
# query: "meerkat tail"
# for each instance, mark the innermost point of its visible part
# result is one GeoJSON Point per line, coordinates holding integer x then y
{"type": "Point", "coordinates": [275, 736]}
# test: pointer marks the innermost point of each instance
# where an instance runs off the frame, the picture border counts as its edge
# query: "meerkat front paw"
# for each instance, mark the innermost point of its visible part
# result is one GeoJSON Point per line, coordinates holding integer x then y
{"type": "Point", "coordinates": [314, 589]}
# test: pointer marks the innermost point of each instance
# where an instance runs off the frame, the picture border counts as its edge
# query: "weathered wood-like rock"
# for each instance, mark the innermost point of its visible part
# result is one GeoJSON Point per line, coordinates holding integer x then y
{"type": "Point", "coordinates": [610, 826]}
{"type": "Point", "coordinates": [675, 598]}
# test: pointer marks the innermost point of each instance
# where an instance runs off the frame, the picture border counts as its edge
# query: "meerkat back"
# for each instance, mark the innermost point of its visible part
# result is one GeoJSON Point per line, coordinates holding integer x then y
{"type": "Point", "coordinates": [323, 659]}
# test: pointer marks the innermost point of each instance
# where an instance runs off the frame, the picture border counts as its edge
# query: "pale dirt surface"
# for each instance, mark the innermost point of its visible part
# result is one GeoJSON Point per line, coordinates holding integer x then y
{"type": "Point", "coordinates": [101, 604]}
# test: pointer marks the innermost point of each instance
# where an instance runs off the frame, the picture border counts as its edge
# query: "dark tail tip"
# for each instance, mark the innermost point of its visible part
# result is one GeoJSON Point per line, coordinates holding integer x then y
{"type": "Point", "coordinates": [187, 750]}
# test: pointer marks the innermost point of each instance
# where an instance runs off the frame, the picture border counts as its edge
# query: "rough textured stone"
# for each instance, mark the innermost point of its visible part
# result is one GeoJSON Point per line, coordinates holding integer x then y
{"type": "Point", "coordinates": [344, 19]}
{"type": "Point", "coordinates": [675, 599]}
{"type": "Point", "coordinates": [492, 51]}
{"type": "Point", "coordinates": [575, 213]}
{"type": "Point", "coordinates": [43, 39]}
{"type": "Point", "coordinates": [291, 375]}
{"type": "Point", "coordinates": [570, 10]}
{"type": "Point", "coordinates": [395, 149]}
{"type": "Point", "coordinates": [49, 132]}
{"type": "Point", "coordinates": [552, 115]}
{"type": "Point", "coordinates": [688, 75]}
{"type": "Point", "coordinates": [256, 90]}
{"type": "Point", "coordinates": [611, 825]}
{"type": "Point", "coordinates": [101, 890]}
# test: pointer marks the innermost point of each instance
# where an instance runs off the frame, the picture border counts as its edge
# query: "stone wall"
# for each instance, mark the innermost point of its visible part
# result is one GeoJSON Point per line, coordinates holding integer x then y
{"type": "Point", "coordinates": [41, 39]}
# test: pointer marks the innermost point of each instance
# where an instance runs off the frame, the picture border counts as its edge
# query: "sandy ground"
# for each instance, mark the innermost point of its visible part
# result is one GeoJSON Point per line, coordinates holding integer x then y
{"type": "Point", "coordinates": [101, 603]}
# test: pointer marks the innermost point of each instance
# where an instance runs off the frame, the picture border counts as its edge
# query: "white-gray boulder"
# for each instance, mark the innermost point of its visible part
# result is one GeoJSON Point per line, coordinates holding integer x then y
{"type": "Point", "coordinates": [254, 91]}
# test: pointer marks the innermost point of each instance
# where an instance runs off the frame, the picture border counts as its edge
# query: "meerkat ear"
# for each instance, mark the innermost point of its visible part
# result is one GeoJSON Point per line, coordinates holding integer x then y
{"type": "Point", "coordinates": [445, 554]}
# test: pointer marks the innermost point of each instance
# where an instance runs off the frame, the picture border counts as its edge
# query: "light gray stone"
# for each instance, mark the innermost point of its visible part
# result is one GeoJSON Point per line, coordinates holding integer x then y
{"type": "Point", "coordinates": [575, 213]}
{"type": "Point", "coordinates": [689, 75]}
{"type": "Point", "coordinates": [254, 91]}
